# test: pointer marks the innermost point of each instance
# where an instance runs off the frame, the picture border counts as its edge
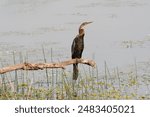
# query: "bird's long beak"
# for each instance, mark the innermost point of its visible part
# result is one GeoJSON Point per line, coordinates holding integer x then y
{"type": "Point", "coordinates": [89, 22]}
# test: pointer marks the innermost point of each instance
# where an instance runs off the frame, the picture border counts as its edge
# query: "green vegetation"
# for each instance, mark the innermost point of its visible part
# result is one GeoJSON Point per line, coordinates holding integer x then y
{"type": "Point", "coordinates": [131, 82]}
{"type": "Point", "coordinates": [91, 85]}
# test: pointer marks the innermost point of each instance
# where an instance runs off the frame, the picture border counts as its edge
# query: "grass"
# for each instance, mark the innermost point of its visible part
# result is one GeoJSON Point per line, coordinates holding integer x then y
{"type": "Point", "coordinates": [52, 84]}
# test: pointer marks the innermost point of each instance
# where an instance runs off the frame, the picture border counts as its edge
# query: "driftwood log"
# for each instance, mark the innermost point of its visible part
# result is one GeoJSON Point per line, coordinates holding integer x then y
{"type": "Point", "coordinates": [41, 66]}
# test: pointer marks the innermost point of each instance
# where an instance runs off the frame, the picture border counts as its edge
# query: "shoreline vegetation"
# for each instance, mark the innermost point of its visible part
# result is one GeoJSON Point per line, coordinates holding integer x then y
{"type": "Point", "coordinates": [92, 83]}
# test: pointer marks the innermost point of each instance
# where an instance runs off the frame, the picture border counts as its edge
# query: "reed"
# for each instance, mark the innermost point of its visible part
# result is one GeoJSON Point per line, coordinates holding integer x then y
{"type": "Point", "coordinates": [91, 84]}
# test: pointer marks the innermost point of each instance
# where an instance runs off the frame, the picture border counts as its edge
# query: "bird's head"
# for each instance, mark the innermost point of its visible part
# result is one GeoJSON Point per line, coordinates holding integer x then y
{"type": "Point", "coordinates": [81, 28]}
{"type": "Point", "coordinates": [84, 24]}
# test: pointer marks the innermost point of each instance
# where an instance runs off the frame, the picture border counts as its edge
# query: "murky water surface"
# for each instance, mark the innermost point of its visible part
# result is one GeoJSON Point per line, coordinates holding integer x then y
{"type": "Point", "coordinates": [25, 25]}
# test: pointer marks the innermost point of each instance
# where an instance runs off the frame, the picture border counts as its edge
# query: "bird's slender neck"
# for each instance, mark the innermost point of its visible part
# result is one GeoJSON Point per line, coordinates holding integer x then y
{"type": "Point", "coordinates": [81, 31]}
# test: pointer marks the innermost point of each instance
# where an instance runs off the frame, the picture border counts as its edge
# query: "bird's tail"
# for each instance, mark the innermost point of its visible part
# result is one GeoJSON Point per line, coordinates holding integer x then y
{"type": "Point", "coordinates": [75, 71]}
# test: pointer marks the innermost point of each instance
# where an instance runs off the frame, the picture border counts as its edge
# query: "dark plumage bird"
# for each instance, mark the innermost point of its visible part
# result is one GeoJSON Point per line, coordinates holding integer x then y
{"type": "Point", "coordinates": [77, 48]}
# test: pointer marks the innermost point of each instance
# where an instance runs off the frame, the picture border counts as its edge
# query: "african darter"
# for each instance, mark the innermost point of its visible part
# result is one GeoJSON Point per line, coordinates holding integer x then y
{"type": "Point", "coordinates": [77, 48]}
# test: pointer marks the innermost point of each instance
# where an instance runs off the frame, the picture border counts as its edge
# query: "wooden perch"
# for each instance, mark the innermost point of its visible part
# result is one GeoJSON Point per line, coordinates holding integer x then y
{"type": "Point", "coordinates": [37, 66]}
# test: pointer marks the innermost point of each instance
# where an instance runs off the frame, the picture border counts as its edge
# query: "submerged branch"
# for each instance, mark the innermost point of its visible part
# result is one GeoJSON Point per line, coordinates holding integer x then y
{"type": "Point", "coordinates": [41, 66]}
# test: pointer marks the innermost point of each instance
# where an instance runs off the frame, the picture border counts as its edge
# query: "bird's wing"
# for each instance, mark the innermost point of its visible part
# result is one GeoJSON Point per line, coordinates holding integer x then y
{"type": "Point", "coordinates": [74, 44]}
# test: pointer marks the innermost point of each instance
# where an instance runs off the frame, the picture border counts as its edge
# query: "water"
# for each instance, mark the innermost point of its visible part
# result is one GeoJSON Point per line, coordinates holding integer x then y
{"type": "Point", "coordinates": [28, 24]}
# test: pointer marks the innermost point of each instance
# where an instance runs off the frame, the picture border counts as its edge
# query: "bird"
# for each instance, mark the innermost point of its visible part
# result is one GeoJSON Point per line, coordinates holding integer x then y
{"type": "Point", "coordinates": [77, 48]}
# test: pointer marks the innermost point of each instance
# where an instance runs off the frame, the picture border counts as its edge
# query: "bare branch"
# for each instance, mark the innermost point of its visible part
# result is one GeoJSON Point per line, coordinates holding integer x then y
{"type": "Point", "coordinates": [41, 66]}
